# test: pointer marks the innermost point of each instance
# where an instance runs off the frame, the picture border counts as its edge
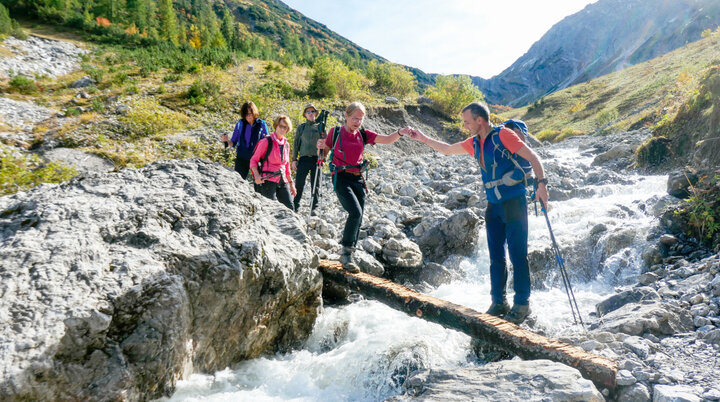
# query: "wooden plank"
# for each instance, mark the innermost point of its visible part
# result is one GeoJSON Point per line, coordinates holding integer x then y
{"type": "Point", "coordinates": [493, 330]}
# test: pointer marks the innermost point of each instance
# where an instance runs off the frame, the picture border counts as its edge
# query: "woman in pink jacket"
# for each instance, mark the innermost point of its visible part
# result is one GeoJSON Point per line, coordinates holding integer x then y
{"type": "Point", "coordinates": [271, 169]}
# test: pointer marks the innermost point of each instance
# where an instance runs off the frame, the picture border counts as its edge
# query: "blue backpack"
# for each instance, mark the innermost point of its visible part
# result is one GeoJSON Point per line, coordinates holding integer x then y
{"type": "Point", "coordinates": [509, 170]}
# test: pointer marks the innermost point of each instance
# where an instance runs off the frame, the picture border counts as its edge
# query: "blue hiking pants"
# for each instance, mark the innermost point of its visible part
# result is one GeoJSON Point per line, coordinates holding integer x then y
{"type": "Point", "coordinates": [507, 223]}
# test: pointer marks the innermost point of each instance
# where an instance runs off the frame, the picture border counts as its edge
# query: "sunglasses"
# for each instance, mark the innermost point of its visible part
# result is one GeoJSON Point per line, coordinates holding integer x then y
{"type": "Point", "coordinates": [310, 111]}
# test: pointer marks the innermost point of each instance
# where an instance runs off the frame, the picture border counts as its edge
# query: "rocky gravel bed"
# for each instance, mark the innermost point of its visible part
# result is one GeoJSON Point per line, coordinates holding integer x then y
{"type": "Point", "coordinates": [39, 56]}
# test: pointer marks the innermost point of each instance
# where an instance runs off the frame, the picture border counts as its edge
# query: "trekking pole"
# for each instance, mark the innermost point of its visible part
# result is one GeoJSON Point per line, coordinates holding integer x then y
{"type": "Point", "coordinates": [563, 272]}
{"type": "Point", "coordinates": [315, 186]}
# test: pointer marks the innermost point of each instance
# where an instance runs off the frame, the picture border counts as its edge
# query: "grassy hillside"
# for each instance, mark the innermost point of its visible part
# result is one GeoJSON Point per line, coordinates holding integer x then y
{"type": "Point", "coordinates": [644, 95]}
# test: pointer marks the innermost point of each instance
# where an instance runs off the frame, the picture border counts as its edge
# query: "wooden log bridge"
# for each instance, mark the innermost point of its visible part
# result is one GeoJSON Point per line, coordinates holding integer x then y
{"type": "Point", "coordinates": [499, 333]}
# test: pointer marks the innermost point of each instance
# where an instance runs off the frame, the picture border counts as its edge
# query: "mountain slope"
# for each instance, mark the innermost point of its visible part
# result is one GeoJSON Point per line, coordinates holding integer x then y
{"type": "Point", "coordinates": [604, 37]}
{"type": "Point", "coordinates": [673, 94]}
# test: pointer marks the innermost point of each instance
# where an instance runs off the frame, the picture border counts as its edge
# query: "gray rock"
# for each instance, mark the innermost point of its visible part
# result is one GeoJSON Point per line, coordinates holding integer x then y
{"type": "Point", "coordinates": [40, 56]}
{"type": "Point", "coordinates": [82, 161]}
{"type": "Point", "coordinates": [144, 275]}
{"type": "Point", "coordinates": [657, 318]}
{"type": "Point", "coordinates": [502, 381]}
{"type": "Point", "coordinates": [402, 253]}
{"type": "Point", "coordinates": [392, 100]}
{"type": "Point", "coordinates": [668, 240]}
{"type": "Point", "coordinates": [83, 82]}
{"type": "Point", "coordinates": [424, 100]}
{"type": "Point", "coordinates": [617, 152]}
{"type": "Point", "coordinates": [679, 182]}
{"type": "Point", "coordinates": [648, 278]}
{"type": "Point", "coordinates": [625, 378]}
{"type": "Point", "coordinates": [638, 346]}
{"type": "Point", "coordinates": [634, 393]}
{"type": "Point", "coordinates": [674, 393]}
{"type": "Point", "coordinates": [456, 234]}
{"type": "Point", "coordinates": [712, 337]}
{"type": "Point", "coordinates": [435, 274]}
{"type": "Point", "coordinates": [616, 301]}
{"type": "Point", "coordinates": [367, 263]}
{"type": "Point", "coordinates": [712, 395]}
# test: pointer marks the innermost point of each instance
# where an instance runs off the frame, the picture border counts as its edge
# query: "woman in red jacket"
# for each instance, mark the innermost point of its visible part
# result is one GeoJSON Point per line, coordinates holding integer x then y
{"type": "Point", "coordinates": [348, 146]}
{"type": "Point", "coordinates": [271, 168]}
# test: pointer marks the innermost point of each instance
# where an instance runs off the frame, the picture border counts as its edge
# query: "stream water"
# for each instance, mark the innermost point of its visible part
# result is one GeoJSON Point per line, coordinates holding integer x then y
{"type": "Point", "coordinates": [365, 350]}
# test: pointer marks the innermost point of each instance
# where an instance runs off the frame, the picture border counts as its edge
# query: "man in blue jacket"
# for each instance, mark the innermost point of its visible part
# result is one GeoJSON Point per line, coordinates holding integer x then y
{"type": "Point", "coordinates": [506, 218]}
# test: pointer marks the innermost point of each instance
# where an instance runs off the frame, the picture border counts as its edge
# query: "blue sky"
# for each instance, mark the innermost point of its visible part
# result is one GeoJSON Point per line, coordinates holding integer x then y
{"type": "Point", "coordinates": [473, 37]}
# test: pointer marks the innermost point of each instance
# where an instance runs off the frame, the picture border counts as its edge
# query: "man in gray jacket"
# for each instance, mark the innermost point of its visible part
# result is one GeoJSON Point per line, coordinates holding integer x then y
{"type": "Point", "coordinates": [304, 155]}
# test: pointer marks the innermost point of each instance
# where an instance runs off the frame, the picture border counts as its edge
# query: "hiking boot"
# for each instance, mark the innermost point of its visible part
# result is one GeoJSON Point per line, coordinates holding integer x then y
{"type": "Point", "coordinates": [346, 255]}
{"type": "Point", "coordinates": [498, 309]}
{"type": "Point", "coordinates": [518, 313]}
{"type": "Point", "coordinates": [351, 267]}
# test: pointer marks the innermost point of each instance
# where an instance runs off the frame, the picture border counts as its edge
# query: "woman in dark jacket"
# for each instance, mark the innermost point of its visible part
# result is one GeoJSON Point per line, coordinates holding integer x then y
{"type": "Point", "coordinates": [248, 132]}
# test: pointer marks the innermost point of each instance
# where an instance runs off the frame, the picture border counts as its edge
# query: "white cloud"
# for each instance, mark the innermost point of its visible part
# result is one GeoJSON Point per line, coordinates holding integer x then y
{"type": "Point", "coordinates": [450, 37]}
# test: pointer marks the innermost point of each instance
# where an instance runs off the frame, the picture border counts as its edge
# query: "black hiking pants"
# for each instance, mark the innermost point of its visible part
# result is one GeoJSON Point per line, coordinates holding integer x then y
{"type": "Point", "coordinates": [350, 190]}
{"type": "Point", "coordinates": [276, 192]}
{"type": "Point", "coordinates": [306, 164]}
{"type": "Point", "coordinates": [242, 166]}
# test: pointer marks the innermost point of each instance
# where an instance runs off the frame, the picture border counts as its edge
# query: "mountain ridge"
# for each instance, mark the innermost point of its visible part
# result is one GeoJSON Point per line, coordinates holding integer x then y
{"type": "Point", "coordinates": [605, 40]}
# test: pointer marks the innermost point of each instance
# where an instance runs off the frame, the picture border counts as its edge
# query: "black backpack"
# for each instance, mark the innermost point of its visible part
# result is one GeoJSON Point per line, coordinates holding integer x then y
{"type": "Point", "coordinates": [267, 155]}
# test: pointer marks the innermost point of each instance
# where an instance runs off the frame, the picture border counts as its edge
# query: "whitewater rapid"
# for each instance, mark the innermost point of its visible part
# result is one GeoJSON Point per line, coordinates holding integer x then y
{"type": "Point", "coordinates": [364, 351]}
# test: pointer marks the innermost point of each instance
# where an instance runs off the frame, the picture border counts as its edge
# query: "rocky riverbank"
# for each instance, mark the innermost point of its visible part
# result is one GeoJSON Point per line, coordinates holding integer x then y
{"type": "Point", "coordinates": [114, 286]}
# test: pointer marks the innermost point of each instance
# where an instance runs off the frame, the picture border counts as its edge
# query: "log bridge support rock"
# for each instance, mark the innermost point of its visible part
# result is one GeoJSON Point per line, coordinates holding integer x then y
{"type": "Point", "coordinates": [489, 329]}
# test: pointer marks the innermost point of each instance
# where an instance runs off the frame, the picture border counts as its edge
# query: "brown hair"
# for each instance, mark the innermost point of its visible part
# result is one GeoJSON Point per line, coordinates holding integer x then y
{"type": "Point", "coordinates": [478, 109]}
{"type": "Point", "coordinates": [284, 118]}
{"type": "Point", "coordinates": [249, 108]}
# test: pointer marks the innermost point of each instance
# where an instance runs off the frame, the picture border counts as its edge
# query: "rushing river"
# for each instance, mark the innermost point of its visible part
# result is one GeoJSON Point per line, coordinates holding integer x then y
{"type": "Point", "coordinates": [364, 351]}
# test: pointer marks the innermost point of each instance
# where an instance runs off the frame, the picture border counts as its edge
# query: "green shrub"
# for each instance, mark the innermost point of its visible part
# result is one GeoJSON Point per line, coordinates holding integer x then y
{"type": "Point", "coordinates": [653, 152]}
{"type": "Point", "coordinates": [392, 79]}
{"type": "Point", "coordinates": [145, 118]}
{"type": "Point", "coordinates": [21, 172]}
{"type": "Point", "coordinates": [96, 74]}
{"type": "Point", "coordinates": [172, 77]}
{"type": "Point", "coordinates": [17, 31]}
{"type": "Point", "coordinates": [701, 212]}
{"type": "Point", "coordinates": [201, 91]}
{"type": "Point", "coordinates": [72, 111]}
{"type": "Point", "coordinates": [98, 106]}
{"type": "Point", "coordinates": [332, 78]}
{"type": "Point", "coordinates": [120, 78]}
{"type": "Point", "coordinates": [6, 25]}
{"type": "Point", "coordinates": [23, 85]}
{"type": "Point", "coordinates": [276, 88]}
{"type": "Point", "coordinates": [453, 92]}
{"type": "Point", "coordinates": [606, 116]}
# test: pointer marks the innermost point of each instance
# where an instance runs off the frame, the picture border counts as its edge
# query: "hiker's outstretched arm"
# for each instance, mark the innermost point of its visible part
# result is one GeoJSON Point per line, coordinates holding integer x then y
{"type": "Point", "coordinates": [442, 147]}
{"type": "Point", "coordinates": [538, 169]}
{"type": "Point", "coordinates": [394, 136]}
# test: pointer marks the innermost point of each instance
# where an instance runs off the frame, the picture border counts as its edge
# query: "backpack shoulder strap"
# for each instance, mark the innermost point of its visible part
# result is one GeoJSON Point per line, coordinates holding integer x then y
{"type": "Point", "coordinates": [364, 135]}
{"type": "Point", "coordinates": [269, 147]}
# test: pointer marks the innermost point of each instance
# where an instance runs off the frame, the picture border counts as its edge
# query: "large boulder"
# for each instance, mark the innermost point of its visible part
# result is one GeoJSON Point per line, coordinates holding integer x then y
{"type": "Point", "coordinates": [653, 317]}
{"type": "Point", "coordinates": [618, 300]}
{"type": "Point", "coordinates": [457, 234]}
{"type": "Point", "coordinates": [509, 380]}
{"type": "Point", "coordinates": [115, 286]}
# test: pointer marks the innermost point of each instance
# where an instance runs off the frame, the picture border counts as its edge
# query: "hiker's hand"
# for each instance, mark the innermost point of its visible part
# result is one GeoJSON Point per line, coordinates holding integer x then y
{"type": "Point", "coordinates": [294, 166]}
{"type": "Point", "coordinates": [541, 194]}
{"type": "Point", "coordinates": [321, 144]}
{"type": "Point", "coordinates": [224, 138]}
{"type": "Point", "coordinates": [259, 180]}
{"type": "Point", "coordinates": [405, 130]}
{"type": "Point", "coordinates": [293, 191]}
{"type": "Point", "coordinates": [417, 135]}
